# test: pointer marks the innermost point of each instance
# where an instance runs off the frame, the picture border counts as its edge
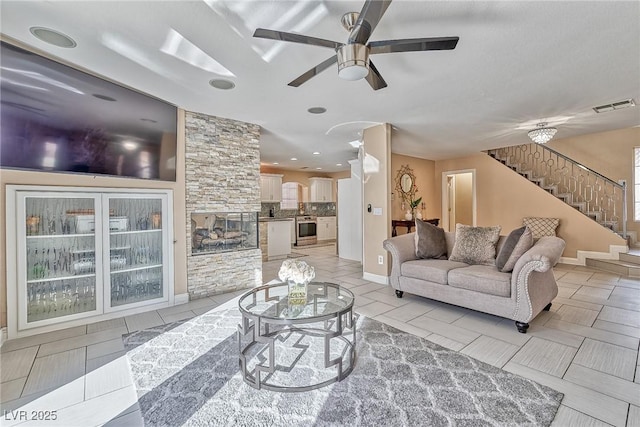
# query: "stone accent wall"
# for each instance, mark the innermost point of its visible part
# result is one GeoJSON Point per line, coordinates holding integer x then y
{"type": "Point", "coordinates": [222, 175]}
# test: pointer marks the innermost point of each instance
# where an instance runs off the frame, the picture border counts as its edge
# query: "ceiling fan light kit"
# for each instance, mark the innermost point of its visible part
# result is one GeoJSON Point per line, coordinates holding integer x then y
{"type": "Point", "coordinates": [542, 134]}
{"type": "Point", "coordinates": [352, 57]}
{"type": "Point", "coordinates": [353, 62]}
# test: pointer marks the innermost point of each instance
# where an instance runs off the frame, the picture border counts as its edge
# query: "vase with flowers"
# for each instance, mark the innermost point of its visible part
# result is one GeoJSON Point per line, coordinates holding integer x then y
{"type": "Point", "coordinates": [297, 275]}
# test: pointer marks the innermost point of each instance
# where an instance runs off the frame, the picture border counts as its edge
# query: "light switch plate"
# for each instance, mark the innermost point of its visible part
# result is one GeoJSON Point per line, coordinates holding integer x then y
{"type": "Point", "coordinates": [377, 211]}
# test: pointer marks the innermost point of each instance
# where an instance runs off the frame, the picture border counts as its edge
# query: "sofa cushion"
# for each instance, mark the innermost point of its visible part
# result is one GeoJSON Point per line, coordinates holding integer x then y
{"type": "Point", "coordinates": [541, 226]}
{"type": "Point", "coordinates": [475, 245]}
{"type": "Point", "coordinates": [481, 278]}
{"type": "Point", "coordinates": [430, 242]}
{"type": "Point", "coordinates": [432, 270]}
{"type": "Point", "coordinates": [517, 243]}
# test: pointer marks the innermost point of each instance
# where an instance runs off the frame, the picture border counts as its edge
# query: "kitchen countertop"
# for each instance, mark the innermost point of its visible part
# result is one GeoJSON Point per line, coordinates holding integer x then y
{"type": "Point", "coordinates": [268, 219]}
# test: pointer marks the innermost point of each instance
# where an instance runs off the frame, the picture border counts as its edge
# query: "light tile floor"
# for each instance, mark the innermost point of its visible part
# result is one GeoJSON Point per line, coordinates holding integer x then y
{"type": "Point", "coordinates": [585, 347]}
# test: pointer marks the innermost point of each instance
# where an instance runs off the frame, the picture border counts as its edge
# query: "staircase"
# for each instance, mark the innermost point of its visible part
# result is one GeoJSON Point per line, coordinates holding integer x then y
{"type": "Point", "coordinates": [596, 196]}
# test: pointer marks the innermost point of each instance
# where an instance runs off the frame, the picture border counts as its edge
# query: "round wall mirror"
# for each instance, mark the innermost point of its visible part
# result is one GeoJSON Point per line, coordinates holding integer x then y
{"type": "Point", "coordinates": [406, 182]}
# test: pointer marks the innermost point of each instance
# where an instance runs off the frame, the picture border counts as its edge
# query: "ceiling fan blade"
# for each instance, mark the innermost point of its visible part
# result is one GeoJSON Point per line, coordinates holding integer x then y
{"type": "Point", "coordinates": [374, 78]}
{"type": "Point", "coordinates": [295, 38]}
{"type": "Point", "coordinates": [413, 45]}
{"type": "Point", "coordinates": [370, 15]}
{"type": "Point", "coordinates": [314, 71]}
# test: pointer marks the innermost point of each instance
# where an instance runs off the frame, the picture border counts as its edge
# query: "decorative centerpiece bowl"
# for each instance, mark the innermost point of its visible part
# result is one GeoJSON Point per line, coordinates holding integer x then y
{"type": "Point", "coordinates": [297, 274]}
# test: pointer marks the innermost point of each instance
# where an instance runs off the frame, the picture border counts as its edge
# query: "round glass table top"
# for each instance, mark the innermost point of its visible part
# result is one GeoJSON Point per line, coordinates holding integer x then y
{"type": "Point", "coordinates": [287, 302]}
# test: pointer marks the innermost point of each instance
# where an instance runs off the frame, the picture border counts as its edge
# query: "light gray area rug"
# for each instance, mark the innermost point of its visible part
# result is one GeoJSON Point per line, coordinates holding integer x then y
{"type": "Point", "coordinates": [187, 373]}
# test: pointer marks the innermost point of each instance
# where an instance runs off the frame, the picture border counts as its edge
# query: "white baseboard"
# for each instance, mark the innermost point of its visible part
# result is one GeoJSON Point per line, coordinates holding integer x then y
{"type": "Point", "coordinates": [181, 299]}
{"type": "Point", "coordinates": [376, 278]}
{"type": "Point", "coordinates": [3, 336]}
{"type": "Point", "coordinates": [581, 259]}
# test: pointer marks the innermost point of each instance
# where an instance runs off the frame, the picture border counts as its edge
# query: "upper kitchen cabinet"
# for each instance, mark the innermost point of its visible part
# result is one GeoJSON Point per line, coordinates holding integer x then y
{"type": "Point", "coordinates": [321, 189]}
{"type": "Point", "coordinates": [270, 187]}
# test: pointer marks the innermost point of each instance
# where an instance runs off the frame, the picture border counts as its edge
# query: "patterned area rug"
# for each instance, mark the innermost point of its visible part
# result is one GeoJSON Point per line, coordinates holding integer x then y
{"type": "Point", "coordinates": [187, 373]}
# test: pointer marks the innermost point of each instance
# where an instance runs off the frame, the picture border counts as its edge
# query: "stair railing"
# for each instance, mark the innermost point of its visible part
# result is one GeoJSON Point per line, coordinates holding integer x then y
{"type": "Point", "coordinates": [597, 196]}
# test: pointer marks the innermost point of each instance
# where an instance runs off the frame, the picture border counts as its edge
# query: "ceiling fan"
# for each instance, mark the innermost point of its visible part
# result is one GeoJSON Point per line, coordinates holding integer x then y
{"type": "Point", "coordinates": [353, 57]}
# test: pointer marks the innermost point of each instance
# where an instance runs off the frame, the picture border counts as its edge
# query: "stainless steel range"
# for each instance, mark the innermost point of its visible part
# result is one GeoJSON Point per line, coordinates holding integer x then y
{"type": "Point", "coordinates": [306, 230]}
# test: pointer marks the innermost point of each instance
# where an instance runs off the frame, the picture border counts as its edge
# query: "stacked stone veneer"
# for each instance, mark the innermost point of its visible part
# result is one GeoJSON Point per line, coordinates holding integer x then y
{"type": "Point", "coordinates": [222, 175]}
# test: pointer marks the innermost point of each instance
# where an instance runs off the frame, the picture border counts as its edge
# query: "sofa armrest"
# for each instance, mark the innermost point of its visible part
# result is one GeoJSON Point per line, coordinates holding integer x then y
{"type": "Point", "coordinates": [402, 248]}
{"type": "Point", "coordinates": [532, 279]}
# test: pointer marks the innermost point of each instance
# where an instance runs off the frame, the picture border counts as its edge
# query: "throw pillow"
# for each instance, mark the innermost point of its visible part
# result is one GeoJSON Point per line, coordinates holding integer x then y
{"type": "Point", "coordinates": [541, 226]}
{"type": "Point", "coordinates": [475, 245]}
{"type": "Point", "coordinates": [518, 242]}
{"type": "Point", "coordinates": [430, 241]}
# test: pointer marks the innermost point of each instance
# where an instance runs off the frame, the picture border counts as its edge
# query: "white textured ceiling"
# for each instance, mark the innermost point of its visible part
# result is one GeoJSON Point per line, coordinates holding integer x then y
{"type": "Point", "coordinates": [517, 63]}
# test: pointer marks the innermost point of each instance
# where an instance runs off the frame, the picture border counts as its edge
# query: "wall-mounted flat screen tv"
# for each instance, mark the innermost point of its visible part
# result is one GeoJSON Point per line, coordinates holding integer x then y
{"type": "Point", "coordinates": [58, 119]}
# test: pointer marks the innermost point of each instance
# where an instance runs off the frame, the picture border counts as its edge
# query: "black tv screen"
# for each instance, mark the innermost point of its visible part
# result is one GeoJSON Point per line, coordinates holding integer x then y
{"type": "Point", "coordinates": [56, 118]}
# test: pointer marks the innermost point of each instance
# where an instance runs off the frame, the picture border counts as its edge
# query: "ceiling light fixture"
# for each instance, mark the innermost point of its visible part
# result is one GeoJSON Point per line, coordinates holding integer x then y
{"type": "Point", "coordinates": [316, 153]}
{"type": "Point", "coordinates": [317, 110]}
{"type": "Point", "coordinates": [353, 61]}
{"type": "Point", "coordinates": [294, 159]}
{"type": "Point", "coordinates": [222, 84]}
{"type": "Point", "coordinates": [542, 134]}
{"type": "Point", "coordinates": [104, 97]}
{"type": "Point", "coordinates": [53, 37]}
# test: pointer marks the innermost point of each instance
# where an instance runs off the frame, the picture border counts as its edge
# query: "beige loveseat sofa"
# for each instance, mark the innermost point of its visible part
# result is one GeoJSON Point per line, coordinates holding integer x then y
{"type": "Point", "coordinates": [519, 295]}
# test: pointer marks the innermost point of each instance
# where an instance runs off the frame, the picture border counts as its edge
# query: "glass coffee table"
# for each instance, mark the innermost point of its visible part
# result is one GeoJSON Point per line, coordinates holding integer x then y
{"type": "Point", "coordinates": [290, 342]}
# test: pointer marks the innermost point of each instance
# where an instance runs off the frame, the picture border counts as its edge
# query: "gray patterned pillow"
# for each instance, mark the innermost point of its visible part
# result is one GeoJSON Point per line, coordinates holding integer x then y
{"type": "Point", "coordinates": [430, 241]}
{"type": "Point", "coordinates": [475, 245]}
{"type": "Point", "coordinates": [518, 242]}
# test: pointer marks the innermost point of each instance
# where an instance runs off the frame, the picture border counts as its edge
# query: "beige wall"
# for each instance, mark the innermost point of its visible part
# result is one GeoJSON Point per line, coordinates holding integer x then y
{"type": "Point", "coordinates": [464, 199]}
{"type": "Point", "coordinates": [377, 189]}
{"type": "Point", "coordinates": [425, 180]}
{"type": "Point", "coordinates": [17, 177]}
{"type": "Point", "coordinates": [504, 198]}
{"type": "Point", "coordinates": [608, 153]}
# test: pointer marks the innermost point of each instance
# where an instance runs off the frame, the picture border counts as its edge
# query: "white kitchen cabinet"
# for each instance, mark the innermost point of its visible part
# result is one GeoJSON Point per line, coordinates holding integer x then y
{"type": "Point", "coordinates": [79, 254]}
{"type": "Point", "coordinates": [292, 223]}
{"type": "Point", "coordinates": [321, 190]}
{"type": "Point", "coordinates": [278, 239]}
{"type": "Point", "coordinates": [270, 187]}
{"type": "Point", "coordinates": [326, 229]}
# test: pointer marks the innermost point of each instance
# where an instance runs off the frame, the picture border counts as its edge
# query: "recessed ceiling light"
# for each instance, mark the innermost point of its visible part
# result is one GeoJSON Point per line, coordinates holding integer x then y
{"type": "Point", "coordinates": [338, 164]}
{"type": "Point", "coordinates": [276, 163]}
{"type": "Point", "coordinates": [53, 37]}
{"type": "Point", "coordinates": [104, 97]}
{"type": "Point", "coordinates": [294, 159]}
{"type": "Point", "coordinates": [316, 153]}
{"type": "Point", "coordinates": [222, 84]}
{"type": "Point", "coordinates": [130, 145]}
{"type": "Point", "coordinates": [317, 110]}
{"type": "Point", "coordinates": [318, 168]}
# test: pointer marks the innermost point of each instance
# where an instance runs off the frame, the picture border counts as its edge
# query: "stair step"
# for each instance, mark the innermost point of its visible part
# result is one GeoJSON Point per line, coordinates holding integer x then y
{"type": "Point", "coordinates": [567, 197]}
{"type": "Point", "coordinates": [597, 215]}
{"type": "Point", "coordinates": [630, 258]}
{"type": "Point", "coordinates": [619, 267]}
{"type": "Point", "coordinates": [581, 206]}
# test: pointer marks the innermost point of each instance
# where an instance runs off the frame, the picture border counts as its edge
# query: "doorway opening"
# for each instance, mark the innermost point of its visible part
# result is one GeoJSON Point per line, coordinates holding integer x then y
{"type": "Point", "coordinates": [458, 198]}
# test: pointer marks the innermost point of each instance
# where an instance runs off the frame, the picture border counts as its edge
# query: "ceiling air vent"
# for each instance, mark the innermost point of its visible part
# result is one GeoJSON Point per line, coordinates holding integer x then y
{"type": "Point", "coordinates": [305, 167]}
{"type": "Point", "coordinates": [614, 106]}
